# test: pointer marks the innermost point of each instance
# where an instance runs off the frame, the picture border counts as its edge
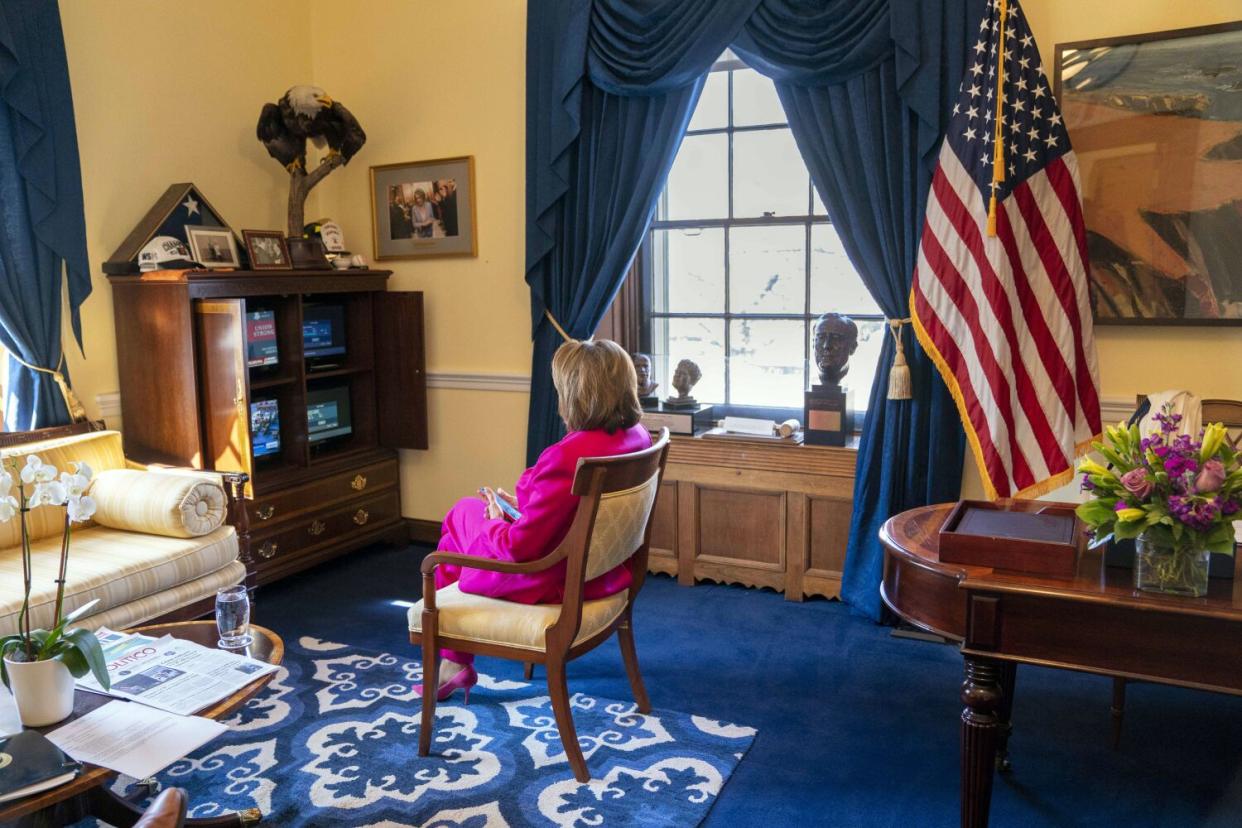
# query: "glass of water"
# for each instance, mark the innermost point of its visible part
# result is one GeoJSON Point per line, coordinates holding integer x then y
{"type": "Point", "coordinates": [233, 617]}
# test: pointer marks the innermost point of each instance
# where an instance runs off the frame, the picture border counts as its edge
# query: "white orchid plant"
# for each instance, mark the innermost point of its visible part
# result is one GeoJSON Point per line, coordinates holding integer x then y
{"type": "Point", "coordinates": [40, 485]}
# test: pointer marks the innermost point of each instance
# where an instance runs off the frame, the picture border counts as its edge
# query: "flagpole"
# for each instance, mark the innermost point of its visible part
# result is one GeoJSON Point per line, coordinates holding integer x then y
{"type": "Point", "coordinates": [998, 157]}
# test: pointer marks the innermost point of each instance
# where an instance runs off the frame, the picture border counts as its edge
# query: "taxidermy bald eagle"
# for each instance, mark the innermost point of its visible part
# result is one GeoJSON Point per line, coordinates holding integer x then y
{"type": "Point", "coordinates": [308, 112]}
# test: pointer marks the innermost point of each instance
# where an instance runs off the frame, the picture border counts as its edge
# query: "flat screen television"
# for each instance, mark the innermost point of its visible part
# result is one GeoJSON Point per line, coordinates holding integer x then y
{"type": "Point", "coordinates": [261, 339]}
{"type": "Point", "coordinates": [264, 427]}
{"type": "Point", "coordinates": [327, 413]}
{"type": "Point", "coordinates": [323, 330]}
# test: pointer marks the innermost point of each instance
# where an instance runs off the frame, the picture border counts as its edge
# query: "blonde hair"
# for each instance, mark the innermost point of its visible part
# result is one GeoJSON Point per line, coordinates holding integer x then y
{"type": "Point", "coordinates": [596, 386]}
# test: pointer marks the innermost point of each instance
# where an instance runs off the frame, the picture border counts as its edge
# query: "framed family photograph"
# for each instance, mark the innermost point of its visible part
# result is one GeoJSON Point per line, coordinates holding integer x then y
{"type": "Point", "coordinates": [424, 209]}
{"type": "Point", "coordinates": [267, 250]}
{"type": "Point", "coordinates": [1155, 121]}
{"type": "Point", "coordinates": [212, 247]}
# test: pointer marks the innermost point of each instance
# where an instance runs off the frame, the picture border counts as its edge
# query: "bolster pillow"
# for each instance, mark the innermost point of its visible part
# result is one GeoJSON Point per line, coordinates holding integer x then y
{"type": "Point", "coordinates": [176, 505]}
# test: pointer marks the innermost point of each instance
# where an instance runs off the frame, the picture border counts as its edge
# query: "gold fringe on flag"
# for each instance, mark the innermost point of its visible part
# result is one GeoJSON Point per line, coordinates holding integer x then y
{"type": "Point", "coordinates": [900, 386]}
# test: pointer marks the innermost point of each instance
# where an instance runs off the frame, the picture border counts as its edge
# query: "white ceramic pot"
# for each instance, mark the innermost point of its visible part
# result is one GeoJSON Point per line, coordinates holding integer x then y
{"type": "Point", "coordinates": [43, 691]}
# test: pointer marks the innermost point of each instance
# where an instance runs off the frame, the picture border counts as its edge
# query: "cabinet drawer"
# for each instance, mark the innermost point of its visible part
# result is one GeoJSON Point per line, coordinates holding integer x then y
{"type": "Point", "coordinates": [327, 527]}
{"type": "Point", "coordinates": [280, 506]}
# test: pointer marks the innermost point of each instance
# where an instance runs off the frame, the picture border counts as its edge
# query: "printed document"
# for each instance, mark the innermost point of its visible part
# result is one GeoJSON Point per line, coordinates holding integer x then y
{"type": "Point", "coordinates": [132, 739]}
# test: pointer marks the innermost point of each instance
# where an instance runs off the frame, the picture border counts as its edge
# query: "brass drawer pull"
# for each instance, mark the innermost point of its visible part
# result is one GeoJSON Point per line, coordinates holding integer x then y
{"type": "Point", "coordinates": [266, 512]}
{"type": "Point", "coordinates": [268, 550]}
{"type": "Point", "coordinates": [358, 483]}
{"type": "Point", "coordinates": [361, 517]}
{"type": "Point", "coordinates": [316, 528]}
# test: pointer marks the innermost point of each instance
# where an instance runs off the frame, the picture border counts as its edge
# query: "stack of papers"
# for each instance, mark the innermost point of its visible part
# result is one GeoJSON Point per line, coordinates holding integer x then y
{"type": "Point", "coordinates": [169, 678]}
{"type": "Point", "coordinates": [170, 673]}
{"type": "Point", "coordinates": [750, 425]}
{"type": "Point", "coordinates": [133, 739]}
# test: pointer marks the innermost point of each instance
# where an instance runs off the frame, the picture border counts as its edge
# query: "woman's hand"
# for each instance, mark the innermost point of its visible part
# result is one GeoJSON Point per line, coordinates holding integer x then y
{"type": "Point", "coordinates": [489, 497]}
{"type": "Point", "coordinates": [507, 498]}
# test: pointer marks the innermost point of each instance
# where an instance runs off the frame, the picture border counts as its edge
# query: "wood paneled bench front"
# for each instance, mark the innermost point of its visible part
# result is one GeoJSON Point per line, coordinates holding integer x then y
{"type": "Point", "coordinates": [735, 511]}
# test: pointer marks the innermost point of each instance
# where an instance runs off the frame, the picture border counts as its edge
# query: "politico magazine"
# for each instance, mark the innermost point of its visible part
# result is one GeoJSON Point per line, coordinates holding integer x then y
{"type": "Point", "coordinates": [170, 673]}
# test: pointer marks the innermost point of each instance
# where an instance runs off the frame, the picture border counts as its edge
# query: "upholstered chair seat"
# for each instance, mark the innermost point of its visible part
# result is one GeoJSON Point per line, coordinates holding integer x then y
{"type": "Point", "coordinates": [525, 626]}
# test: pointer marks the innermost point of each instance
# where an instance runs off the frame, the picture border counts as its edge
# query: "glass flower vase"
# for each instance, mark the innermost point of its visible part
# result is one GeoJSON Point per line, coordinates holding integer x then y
{"type": "Point", "coordinates": [1173, 570]}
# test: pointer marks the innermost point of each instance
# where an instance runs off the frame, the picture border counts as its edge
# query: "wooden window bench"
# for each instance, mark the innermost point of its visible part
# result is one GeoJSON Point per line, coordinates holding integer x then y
{"type": "Point", "coordinates": [736, 511]}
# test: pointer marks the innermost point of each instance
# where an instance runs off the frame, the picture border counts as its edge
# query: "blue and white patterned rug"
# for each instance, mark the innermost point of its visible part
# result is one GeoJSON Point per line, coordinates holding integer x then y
{"type": "Point", "coordinates": [334, 741]}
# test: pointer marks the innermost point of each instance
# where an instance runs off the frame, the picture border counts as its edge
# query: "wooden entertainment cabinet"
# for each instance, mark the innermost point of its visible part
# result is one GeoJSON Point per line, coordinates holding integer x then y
{"type": "Point", "coordinates": [188, 398]}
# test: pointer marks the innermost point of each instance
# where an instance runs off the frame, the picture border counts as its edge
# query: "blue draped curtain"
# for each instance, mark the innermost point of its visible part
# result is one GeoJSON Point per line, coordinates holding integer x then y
{"type": "Point", "coordinates": [42, 230]}
{"type": "Point", "coordinates": [867, 85]}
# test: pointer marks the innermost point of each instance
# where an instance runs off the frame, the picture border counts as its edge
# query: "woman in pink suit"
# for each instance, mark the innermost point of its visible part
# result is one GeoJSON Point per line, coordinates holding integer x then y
{"type": "Point", "coordinates": [597, 395]}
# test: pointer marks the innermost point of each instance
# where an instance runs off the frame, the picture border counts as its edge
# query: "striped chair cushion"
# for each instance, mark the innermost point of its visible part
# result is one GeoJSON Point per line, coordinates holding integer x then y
{"type": "Point", "coordinates": [114, 566]}
{"type": "Point", "coordinates": [101, 450]}
{"type": "Point", "coordinates": [177, 505]}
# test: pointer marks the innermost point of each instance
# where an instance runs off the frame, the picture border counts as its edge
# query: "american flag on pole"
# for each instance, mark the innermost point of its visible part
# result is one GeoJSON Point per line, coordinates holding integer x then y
{"type": "Point", "coordinates": [999, 299]}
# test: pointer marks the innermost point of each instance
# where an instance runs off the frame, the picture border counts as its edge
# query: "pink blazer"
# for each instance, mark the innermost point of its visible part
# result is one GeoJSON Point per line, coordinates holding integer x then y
{"type": "Point", "coordinates": [548, 508]}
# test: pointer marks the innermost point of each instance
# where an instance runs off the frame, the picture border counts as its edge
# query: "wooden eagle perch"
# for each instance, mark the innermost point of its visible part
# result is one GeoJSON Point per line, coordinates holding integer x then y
{"type": "Point", "coordinates": [308, 112]}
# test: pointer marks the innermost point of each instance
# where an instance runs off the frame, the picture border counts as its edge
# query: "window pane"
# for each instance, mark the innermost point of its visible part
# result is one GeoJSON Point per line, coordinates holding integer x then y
{"type": "Point", "coordinates": [766, 361]}
{"type": "Point", "coordinates": [769, 177]}
{"type": "Point", "coordinates": [767, 267]}
{"type": "Point", "coordinates": [712, 111]}
{"type": "Point", "coordinates": [701, 340]}
{"type": "Point", "coordinates": [835, 284]}
{"type": "Point", "coordinates": [754, 100]}
{"type": "Point", "coordinates": [863, 363]}
{"type": "Point", "coordinates": [698, 184]}
{"type": "Point", "coordinates": [818, 203]}
{"type": "Point", "coordinates": [689, 270]}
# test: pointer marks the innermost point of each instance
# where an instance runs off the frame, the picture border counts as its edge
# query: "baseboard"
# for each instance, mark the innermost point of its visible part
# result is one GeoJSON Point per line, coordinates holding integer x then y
{"type": "Point", "coordinates": [423, 531]}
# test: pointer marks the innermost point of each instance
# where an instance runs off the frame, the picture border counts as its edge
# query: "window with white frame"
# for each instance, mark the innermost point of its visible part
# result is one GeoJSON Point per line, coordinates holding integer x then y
{"type": "Point", "coordinates": [742, 257]}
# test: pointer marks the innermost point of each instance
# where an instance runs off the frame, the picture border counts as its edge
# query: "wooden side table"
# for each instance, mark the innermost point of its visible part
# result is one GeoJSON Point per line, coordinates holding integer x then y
{"type": "Point", "coordinates": [89, 795]}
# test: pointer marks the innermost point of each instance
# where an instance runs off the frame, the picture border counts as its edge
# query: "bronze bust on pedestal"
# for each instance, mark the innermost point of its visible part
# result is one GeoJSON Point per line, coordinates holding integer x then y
{"type": "Point", "coordinates": [836, 340]}
{"type": "Point", "coordinates": [646, 387]}
{"type": "Point", "coordinates": [828, 407]}
{"type": "Point", "coordinates": [685, 377]}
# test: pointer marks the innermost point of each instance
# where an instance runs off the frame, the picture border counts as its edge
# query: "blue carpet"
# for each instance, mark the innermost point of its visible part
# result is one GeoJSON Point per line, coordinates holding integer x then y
{"type": "Point", "coordinates": [855, 727]}
{"type": "Point", "coordinates": [332, 742]}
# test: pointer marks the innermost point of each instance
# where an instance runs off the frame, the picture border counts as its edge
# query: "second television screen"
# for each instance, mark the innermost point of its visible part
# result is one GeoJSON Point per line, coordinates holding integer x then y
{"type": "Point", "coordinates": [323, 330]}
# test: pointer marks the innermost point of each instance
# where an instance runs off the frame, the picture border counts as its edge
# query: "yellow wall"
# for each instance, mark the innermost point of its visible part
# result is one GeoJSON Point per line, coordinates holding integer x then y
{"type": "Point", "coordinates": [426, 81]}
{"type": "Point", "coordinates": [1134, 360]}
{"type": "Point", "coordinates": [436, 81]}
{"type": "Point", "coordinates": [167, 92]}
{"type": "Point", "coordinates": [430, 80]}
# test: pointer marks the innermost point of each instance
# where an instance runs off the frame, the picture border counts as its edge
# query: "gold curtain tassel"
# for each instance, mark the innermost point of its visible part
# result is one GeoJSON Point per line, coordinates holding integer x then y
{"type": "Point", "coordinates": [77, 413]}
{"type": "Point", "coordinates": [557, 325]}
{"type": "Point", "coordinates": [900, 385]}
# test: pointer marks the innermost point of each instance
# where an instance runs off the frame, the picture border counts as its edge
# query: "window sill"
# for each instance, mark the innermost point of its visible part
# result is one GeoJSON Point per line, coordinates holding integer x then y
{"type": "Point", "coordinates": [741, 455]}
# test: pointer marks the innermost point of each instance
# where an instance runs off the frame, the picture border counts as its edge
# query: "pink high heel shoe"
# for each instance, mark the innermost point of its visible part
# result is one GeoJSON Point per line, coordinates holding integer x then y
{"type": "Point", "coordinates": [464, 680]}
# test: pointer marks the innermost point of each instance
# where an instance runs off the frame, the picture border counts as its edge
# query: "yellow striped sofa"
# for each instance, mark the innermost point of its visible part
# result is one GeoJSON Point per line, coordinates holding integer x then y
{"type": "Point", "coordinates": [137, 576]}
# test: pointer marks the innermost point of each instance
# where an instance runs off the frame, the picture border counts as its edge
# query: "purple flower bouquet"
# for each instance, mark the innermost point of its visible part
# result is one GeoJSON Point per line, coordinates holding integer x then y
{"type": "Point", "coordinates": [1177, 496]}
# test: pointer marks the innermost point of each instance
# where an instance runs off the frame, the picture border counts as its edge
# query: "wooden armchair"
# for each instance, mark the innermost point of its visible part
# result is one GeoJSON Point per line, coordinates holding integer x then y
{"type": "Point", "coordinates": [612, 526]}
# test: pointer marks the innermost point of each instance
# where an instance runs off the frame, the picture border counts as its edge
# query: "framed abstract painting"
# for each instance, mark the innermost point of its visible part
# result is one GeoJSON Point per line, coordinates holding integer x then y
{"type": "Point", "coordinates": [1156, 123]}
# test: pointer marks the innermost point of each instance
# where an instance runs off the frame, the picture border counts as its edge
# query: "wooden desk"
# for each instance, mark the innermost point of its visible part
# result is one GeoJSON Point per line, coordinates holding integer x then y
{"type": "Point", "coordinates": [1095, 622]}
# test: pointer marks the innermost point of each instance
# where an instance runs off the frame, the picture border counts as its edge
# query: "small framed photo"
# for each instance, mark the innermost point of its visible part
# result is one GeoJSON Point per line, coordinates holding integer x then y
{"type": "Point", "coordinates": [307, 254]}
{"type": "Point", "coordinates": [267, 250]}
{"type": "Point", "coordinates": [212, 247]}
{"type": "Point", "coordinates": [424, 209]}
